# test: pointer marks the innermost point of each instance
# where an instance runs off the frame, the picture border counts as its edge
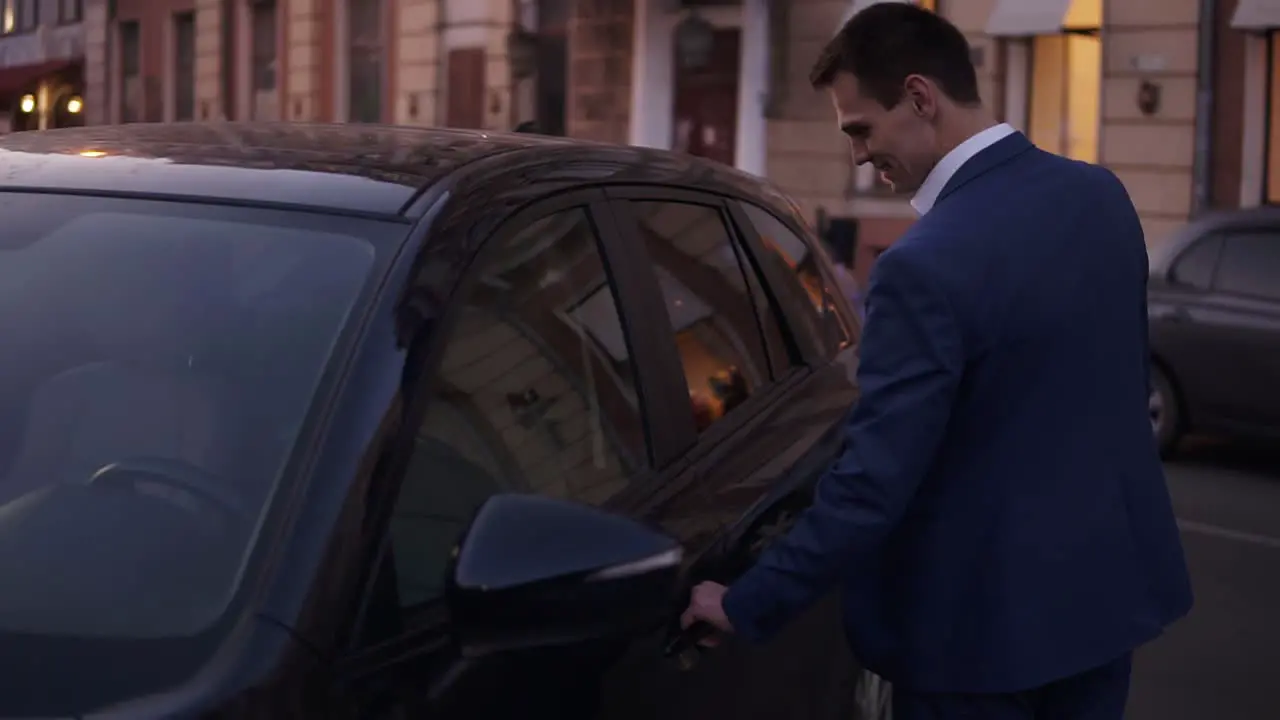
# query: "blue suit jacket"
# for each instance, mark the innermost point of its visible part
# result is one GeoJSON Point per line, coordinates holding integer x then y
{"type": "Point", "coordinates": [999, 517]}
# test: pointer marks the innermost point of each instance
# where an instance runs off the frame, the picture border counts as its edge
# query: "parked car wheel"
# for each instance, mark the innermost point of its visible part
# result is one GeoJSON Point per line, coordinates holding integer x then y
{"type": "Point", "coordinates": [1166, 418]}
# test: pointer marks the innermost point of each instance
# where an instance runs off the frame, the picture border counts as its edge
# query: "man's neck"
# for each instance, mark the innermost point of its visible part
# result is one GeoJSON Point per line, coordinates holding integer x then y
{"type": "Point", "coordinates": [964, 124]}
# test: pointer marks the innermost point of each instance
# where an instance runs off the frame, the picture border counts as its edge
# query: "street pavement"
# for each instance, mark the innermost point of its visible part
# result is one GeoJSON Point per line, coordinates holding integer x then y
{"type": "Point", "coordinates": [1221, 662]}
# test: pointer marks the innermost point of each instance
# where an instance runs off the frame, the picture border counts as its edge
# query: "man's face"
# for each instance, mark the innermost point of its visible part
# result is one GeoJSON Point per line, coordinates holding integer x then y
{"type": "Point", "coordinates": [900, 142]}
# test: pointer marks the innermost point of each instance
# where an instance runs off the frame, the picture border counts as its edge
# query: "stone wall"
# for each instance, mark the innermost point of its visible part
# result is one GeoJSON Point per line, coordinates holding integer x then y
{"type": "Point", "coordinates": [97, 80]}
{"type": "Point", "coordinates": [418, 58]}
{"type": "Point", "coordinates": [308, 29]}
{"type": "Point", "coordinates": [1153, 155]}
{"type": "Point", "coordinates": [808, 157]}
{"type": "Point", "coordinates": [209, 30]}
{"type": "Point", "coordinates": [599, 86]}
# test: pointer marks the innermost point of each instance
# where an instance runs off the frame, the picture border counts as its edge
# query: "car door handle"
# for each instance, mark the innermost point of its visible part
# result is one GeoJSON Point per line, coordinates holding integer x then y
{"type": "Point", "coordinates": [686, 647]}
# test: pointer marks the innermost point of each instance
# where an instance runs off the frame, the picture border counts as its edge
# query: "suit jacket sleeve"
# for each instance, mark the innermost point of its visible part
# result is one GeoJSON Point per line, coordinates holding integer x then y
{"type": "Point", "coordinates": [911, 362]}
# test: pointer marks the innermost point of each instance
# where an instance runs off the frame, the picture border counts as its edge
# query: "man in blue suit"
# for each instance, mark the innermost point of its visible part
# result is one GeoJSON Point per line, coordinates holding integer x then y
{"type": "Point", "coordinates": [998, 521]}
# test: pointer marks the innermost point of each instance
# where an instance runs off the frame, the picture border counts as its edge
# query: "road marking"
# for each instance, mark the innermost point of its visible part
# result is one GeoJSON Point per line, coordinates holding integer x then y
{"type": "Point", "coordinates": [1228, 534]}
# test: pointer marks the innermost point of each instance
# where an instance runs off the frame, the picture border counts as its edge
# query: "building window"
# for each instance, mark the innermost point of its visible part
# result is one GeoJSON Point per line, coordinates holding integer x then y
{"type": "Point", "coordinates": [365, 52]}
{"type": "Point", "coordinates": [1272, 179]}
{"type": "Point", "coordinates": [184, 66]}
{"type": "Point", "coordinates": [263, 59]}
{"type": "Point", "coordinates": [130, 73]}
{"type": "Point", "coordinates": [28, 15]}
{"type": "Point", "coordinates": [70, 11]}
{"type": "Point", "coordinates": [552, 66]}
{"type": "Point", "coordinates": [1065, 84]}
{"type": "Point", "coordinates": [1066, 80]}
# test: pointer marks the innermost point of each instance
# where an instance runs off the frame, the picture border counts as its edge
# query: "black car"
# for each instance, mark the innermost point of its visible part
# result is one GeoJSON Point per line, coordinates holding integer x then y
{"type": "Point", "coordinates": [259, 379]}
{"type": "Point", "coordinates": [1214, 308]}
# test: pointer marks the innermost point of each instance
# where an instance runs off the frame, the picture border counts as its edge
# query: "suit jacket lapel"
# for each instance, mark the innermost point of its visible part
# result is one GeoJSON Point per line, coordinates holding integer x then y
{"type": "Point", "coordinates": [1004, 150]}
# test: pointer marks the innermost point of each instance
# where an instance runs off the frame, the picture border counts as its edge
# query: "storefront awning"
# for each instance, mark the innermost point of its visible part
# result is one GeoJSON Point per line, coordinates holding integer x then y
{"type": "Point", "coordinates": [1256, 15]}
{"type": "Point", "coordinates": [22, 77]}
{"type": "Point", "coordinates": [1022, 18]}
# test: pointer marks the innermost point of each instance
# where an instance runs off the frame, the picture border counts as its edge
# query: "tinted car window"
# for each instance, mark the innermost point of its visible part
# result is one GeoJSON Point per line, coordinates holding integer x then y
{"type": "Point", "coordinates": [716, 321]}
{"type": "Point", "coordinates": [1195, 266]}
{"type": "Point", "coordinates": [1250, 265]}
{"type": "Point", "coordinates": [813, 288]}
{"type": "Point", "coordinates": [537, 395]}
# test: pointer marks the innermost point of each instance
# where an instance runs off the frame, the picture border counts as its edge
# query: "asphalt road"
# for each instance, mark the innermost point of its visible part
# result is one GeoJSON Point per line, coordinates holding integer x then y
{"type": "Point", "coordinates": [1221, 662]}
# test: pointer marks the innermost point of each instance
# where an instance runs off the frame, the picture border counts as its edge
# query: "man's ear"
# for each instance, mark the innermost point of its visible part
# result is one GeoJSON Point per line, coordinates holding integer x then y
{"type": "Point", "coordinates": [921, 95]}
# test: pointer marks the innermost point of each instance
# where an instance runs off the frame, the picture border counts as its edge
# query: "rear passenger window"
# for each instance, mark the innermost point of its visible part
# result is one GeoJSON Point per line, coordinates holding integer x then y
{"type": "Point", "coordinates": [721, 318]}
{"type": "Point", "coordinates": [813, 284]}
{"type": "Point", "coordinates": [1250, 265]}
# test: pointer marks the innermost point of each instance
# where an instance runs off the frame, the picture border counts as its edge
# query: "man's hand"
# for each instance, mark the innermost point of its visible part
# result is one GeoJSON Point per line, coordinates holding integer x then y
{"type": "Point", "coordinates": [706, 604]}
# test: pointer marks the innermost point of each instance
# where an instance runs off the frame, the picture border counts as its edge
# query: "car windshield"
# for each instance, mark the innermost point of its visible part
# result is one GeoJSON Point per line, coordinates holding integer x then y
{"type": "Point", "coordinates": [159, 361]}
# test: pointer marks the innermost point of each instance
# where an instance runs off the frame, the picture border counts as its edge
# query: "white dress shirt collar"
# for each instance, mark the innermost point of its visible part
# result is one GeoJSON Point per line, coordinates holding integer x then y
{"type": "Point", "coordinates": [950, 163]}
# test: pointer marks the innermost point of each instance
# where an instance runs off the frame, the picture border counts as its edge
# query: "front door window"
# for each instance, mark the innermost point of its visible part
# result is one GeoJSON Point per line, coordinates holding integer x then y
{"type": "Point", "coordinates": [537, 394]}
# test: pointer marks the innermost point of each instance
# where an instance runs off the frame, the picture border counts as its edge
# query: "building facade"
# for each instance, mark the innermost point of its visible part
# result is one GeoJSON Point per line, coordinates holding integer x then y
{"type": "Point", "coordinates": [1173, 95]}
{"type": "Point", "coordinates": [1117, 82]}
{"type": "Point", "coordinates": [42, 45]}
{"type": "Point", "coordinates": [1246, 104]}
{"type": "Point", "coordinates": [461, 63]}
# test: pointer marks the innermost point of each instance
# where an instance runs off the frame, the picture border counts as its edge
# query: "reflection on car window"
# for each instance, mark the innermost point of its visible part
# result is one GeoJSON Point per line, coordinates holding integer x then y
{"type": "Point", "coordinates": [1194, 269]}
{"type": "Point", "coordinates": [704, 282]}
{"type": "Point", "coordinates": [149, 353]}
{"type": "Point", "coordinates": [800, 261]}
{"type": "Point", "coordinates": [1250, 265]}
{"type": "Point", "coordinates": [538, 395]}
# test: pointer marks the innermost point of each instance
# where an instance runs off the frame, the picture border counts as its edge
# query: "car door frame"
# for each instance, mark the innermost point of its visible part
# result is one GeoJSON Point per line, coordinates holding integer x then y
{"type": "Point", "coordinates": [655, 364]}
{"type": "Point", "coordinates": [1177, 337]}
{"type": "Point", "coordinates": [1242, 306]}
{"type": "Point", "coordinates": [679, 455]}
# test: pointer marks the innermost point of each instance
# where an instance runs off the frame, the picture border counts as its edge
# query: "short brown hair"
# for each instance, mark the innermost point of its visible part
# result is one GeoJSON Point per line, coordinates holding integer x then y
{"type": "Point", "coordinates": [886, 42]}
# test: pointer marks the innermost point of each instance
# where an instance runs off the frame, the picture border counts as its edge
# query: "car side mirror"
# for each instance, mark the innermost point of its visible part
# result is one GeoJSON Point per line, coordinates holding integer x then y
{"type": "Point", "coordinates": [534, 571]}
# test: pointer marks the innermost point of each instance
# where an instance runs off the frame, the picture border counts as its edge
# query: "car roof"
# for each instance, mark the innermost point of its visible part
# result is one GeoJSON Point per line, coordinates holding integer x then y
{"type": "Point", "coordinates": [1264, 216]}
{"type": "Point", "coordinates": [357, 168]}
{"type": "Point", "coordinates": [367, 169]}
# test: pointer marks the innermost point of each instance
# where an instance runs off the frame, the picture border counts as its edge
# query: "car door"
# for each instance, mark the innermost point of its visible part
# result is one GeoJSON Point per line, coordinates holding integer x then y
{"type": "Point", "coordinates": [536, 384]}
{"type": "Point", "coordinates": [757, 364]}
{"type": "Point", "coordinates": [1243, 319]}
{"type": "Point", "coordinates": [1182, 313]}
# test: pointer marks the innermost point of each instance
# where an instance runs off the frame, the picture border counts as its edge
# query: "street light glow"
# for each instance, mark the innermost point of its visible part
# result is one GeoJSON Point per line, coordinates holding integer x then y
{"type": "Point", "coordinates": [28, 103]}
{"type": "Point", "coordinates": [75, 104]}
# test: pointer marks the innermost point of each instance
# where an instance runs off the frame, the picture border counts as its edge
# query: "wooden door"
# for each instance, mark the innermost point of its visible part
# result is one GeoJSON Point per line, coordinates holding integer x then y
{"type": "Point", "coordinates": [465, 90]}
{"type": "Point", "coordinates": [706, 101]}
